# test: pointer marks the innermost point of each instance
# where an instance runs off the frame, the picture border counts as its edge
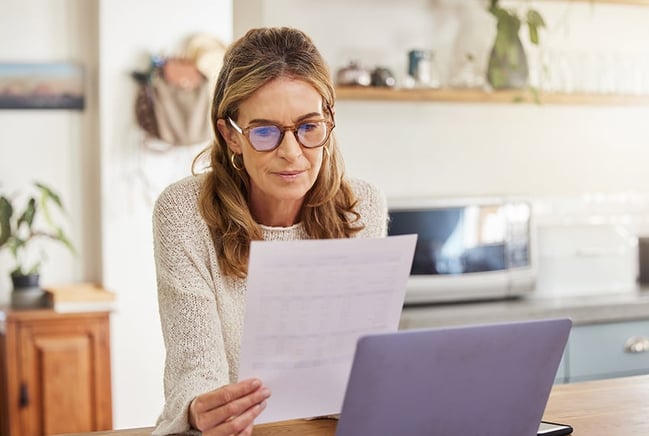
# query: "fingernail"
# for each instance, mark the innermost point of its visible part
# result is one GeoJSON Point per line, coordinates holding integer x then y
{"type": "Point", "coordinates": [262, 405]}
{"type": "Point", "coordinates": [265, 392]}
{"type": "Point", "coordinates": [256, 383]}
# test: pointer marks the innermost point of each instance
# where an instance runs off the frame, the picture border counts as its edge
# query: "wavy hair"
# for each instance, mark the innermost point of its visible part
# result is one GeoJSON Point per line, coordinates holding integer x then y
{"type": "Point", "coordinates": [258, 57]}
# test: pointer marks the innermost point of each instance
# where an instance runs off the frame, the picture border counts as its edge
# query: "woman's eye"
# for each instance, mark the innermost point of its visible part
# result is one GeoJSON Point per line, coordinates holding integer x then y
{"type": "Point", "coordinates": [307, 127]}
{"type": "Point", "coordinates": [265, 131]}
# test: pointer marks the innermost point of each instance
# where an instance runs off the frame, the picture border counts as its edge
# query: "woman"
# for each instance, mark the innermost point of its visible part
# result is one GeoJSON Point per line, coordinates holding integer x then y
{"type": "Point", "coordinates": [275, 173]}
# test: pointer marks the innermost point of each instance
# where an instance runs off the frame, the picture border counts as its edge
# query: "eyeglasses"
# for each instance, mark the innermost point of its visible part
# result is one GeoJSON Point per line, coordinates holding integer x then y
{"type": "Point", "coordinates": [267, 137]}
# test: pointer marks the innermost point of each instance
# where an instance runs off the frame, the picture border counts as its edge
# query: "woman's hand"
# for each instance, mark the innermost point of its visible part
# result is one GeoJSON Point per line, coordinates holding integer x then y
{"type": "Point", "coordinates": [229, 410]}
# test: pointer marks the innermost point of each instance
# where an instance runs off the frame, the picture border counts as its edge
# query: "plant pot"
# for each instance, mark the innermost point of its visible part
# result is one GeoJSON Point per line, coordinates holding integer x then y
{"type": "Point", "coordinates": [508, 68]}
{"type": "Point", "coordinates": [27, 293]}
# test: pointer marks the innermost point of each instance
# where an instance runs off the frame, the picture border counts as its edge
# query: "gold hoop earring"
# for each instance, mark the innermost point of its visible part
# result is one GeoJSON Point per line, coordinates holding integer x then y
{"type": "Point", "coordinates": [234, 164]}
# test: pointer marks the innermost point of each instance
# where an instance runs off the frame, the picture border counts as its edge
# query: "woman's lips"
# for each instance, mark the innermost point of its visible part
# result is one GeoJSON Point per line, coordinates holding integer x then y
{"type": "Point", "coordinates": [289, 174]}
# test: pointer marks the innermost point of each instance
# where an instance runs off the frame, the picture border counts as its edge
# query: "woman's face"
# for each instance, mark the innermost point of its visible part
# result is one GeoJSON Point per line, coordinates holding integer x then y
{"type": "Point", "coordinates": [279, 179]}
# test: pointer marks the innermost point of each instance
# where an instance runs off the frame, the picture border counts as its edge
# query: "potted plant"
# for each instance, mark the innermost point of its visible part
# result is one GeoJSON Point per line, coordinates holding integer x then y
{"type": "Point", "coordinates": [19, 228]}
{"type": "Point", "coordinates": [508, 67]}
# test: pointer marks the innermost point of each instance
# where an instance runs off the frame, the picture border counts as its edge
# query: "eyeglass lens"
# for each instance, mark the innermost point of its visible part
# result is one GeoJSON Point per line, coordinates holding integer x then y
{"type": "Point", "coordinates": [310, 135]}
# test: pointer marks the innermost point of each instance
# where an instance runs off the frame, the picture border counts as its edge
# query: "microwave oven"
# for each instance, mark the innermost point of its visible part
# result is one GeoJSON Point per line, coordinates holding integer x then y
{"type": "Point", "coordinates": [467, 249]}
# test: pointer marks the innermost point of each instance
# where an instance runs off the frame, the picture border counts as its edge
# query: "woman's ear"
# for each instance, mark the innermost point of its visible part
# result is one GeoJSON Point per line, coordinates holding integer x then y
{"type": "Point", "coordinates": [230, 135]}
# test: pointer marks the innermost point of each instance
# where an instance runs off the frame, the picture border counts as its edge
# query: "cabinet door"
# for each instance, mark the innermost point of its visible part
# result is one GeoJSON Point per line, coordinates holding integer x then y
{"type": "Point", "coordinates": [606, 350]}
{"type": "Point", "coordinates": [63, 375]}
{"type": "Point", "coordinates": [561, 376]}
{"type": "Point", "coordinates": [5, 390]}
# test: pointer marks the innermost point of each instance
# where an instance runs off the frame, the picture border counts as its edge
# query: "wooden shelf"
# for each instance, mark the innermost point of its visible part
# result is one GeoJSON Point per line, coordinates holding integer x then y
{"type": "Point", "coordinates": [620, 2]}
{"type": "Point", "coordinates": [457, 95]}
{"type": "Point", "coordinates": [479, 96]}
{"type": "Point", "coordinates": [613, 2]}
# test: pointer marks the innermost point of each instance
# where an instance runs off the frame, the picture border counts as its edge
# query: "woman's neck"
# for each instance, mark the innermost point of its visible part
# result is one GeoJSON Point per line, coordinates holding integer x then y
{"type": "Point", "coordinates": [277, 214]}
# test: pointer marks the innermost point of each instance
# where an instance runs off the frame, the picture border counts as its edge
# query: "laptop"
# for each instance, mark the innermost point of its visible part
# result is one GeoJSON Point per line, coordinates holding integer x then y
{"type": "Point", "coordinates": [488, 380]}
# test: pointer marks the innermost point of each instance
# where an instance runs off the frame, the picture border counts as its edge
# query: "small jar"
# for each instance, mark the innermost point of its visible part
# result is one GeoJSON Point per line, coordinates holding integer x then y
{"type": "Point", "coordinates": [423, 69]}
{"type": "Point", "coordinates": [383, 77]}
{"type": "Point", "coordinates": [353, 75]}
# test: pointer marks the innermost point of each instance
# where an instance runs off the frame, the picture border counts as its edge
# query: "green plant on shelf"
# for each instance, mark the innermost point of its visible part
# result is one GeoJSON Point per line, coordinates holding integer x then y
{"type": "Point", "coordinates": [20, 228]}
{"type": "Point", "coordinates": [508, 67]}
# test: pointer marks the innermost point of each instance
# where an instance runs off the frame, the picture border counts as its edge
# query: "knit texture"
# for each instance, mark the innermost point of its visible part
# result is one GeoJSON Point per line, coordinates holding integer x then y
{"type": "Point", "coordinates": [201, 311]}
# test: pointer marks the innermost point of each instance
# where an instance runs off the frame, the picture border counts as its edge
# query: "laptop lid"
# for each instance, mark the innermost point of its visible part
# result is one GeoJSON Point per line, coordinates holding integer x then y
{"type": "Point", "coordinates": [492, 379]}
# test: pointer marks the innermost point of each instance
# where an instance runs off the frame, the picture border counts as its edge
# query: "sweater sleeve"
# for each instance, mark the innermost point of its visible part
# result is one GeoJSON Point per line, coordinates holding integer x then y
{"type": "Point", "coordinates": [195, 354]}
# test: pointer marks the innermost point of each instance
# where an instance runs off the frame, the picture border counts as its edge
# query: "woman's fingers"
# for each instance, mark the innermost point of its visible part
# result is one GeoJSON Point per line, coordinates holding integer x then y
{"type": "Point", "coordinates": [227, 404]}
{"type": "Point", "coordinates": [242, 424]}
{"type": "Point", "coordinates": [237, 407]}
{"type": "Point", "coordinates": [248, 430]}
{"type": "Point", "coordinates": [225, 394]}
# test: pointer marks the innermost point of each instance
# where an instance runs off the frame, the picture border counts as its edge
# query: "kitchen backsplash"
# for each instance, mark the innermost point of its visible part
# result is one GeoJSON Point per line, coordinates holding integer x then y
{"type": "Point", "coordinates": [629, 209]}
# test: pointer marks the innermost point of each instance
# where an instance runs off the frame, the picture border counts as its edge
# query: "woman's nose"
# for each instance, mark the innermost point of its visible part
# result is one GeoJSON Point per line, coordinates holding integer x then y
{"type": "Point", "coordinates": [289, 148]}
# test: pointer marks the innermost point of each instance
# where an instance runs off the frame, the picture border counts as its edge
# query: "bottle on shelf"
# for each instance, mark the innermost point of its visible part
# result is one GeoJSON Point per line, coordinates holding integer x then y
{"type": "Point", "coordinates": [423, 69]}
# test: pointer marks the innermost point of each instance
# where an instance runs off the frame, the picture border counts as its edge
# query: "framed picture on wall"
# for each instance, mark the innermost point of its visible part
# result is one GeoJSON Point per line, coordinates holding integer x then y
{"type": "Point", "coordinates": [55, 85]}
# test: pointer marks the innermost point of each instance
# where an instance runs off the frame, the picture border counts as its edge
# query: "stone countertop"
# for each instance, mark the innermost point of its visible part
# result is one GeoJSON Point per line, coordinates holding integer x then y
{"type": "Point", "coordinates": [629, 306]}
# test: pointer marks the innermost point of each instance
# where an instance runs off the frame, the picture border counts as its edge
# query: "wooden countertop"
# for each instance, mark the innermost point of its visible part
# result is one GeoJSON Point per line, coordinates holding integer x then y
{"type": "Point", "coordinates": [613, 407]}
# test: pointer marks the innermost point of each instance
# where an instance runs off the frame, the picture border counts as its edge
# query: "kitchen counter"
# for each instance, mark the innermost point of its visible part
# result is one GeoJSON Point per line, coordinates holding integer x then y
{"type": "Point", "coordinates": [629, 306]}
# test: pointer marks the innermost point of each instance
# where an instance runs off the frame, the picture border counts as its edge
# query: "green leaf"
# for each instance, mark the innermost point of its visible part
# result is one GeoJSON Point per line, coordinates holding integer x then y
{"type": "Point", "coordinates": [534, 34]}
{"type": "Point", "coordinates": [534, 22]}
{"type": "Point", "coordinates": [5, 220]}
{"type": "Point", "coordinates": [61, 236]}
{"type": "Point", "coordinates": [47, 193]}
{"type": "Point", "coordinates": [48, 196]}
{"type": "Point", "coordinates": [28, 215]}
{"type": "Point", "coordinates": [535, 18]}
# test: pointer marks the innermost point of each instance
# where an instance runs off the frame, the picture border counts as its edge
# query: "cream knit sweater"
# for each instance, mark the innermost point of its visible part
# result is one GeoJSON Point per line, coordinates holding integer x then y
{"type": "Point", "coordinates": [201, 311]}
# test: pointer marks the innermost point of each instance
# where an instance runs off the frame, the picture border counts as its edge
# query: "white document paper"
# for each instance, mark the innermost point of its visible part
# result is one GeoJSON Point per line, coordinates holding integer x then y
{"type": "Point", "coordinates": [308, 302]}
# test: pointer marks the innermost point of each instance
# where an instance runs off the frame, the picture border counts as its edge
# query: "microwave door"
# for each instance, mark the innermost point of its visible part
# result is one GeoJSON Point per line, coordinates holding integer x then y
{"type": "Point", "coordinates": [462, 252]}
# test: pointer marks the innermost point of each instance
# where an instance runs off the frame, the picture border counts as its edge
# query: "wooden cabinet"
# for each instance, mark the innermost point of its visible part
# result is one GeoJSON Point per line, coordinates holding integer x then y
{"type": "Point", "coordinates": [55, 372]}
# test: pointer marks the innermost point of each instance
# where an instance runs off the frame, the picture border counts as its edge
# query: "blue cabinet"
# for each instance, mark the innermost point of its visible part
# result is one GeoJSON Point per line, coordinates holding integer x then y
{"type": "Point", "coordinates": [562, 371]}
{"type": "Point", "coordinates": [607, 350]}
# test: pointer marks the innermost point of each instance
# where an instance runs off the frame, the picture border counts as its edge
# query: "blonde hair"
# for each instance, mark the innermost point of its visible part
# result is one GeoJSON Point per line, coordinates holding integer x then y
{"type": "Point", "coordinates": [258, 57]}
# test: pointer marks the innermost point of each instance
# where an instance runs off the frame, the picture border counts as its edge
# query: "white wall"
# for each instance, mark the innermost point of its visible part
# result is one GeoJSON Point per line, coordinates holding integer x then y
{"type": "Point", "coordinates": [131, 180]}
{"type": "Point", "coordinates": [447, 150]}
{"type": "Point", "coordinates": [57, 147]}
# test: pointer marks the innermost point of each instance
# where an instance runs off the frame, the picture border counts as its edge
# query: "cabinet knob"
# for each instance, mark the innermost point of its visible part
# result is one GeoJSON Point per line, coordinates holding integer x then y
{"type": "Point", "coordinates": [23, 399]}
{"type": "Point", "coordinates": [637, 344]}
